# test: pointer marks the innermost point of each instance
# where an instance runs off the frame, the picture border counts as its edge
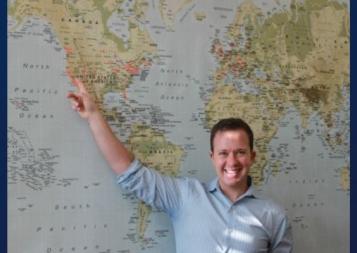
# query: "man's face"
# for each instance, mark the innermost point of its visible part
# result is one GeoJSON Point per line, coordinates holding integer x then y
{"type": "Point", "coordinates": [232, 158]}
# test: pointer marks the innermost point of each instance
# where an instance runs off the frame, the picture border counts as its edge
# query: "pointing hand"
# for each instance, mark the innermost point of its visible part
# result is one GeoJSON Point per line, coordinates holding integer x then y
{"type": "Point", "coordinates": [81, 101]}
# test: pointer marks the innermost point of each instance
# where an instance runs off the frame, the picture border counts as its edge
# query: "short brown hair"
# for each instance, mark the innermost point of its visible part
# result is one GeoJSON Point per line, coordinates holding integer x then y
{"type": "Point", "coordinates": [232, 124]}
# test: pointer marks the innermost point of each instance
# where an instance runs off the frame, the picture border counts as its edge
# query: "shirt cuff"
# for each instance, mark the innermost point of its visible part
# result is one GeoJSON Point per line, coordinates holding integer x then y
{"type": "Point", "coordinates": [133, 168]}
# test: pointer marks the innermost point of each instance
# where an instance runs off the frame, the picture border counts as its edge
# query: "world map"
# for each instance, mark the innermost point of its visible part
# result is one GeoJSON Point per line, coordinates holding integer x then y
{"type": "Point", "coordinates": [163, 72]}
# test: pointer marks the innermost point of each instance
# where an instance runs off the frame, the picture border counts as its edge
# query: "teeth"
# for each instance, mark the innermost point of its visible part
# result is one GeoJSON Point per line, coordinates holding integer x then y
{"type": "Point", "coordinates": [231, 171]}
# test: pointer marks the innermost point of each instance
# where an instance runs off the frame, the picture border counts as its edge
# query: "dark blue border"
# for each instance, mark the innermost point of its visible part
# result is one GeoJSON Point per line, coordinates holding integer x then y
{"type": "Point", "coordinates": [353, 204]}
{"type": "Point", "coordinates": [3, 126]}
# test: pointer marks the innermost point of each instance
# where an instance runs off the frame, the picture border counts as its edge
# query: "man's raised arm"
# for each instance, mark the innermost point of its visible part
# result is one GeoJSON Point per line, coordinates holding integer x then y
{"type": "Point", "coordinates": [118, 157]}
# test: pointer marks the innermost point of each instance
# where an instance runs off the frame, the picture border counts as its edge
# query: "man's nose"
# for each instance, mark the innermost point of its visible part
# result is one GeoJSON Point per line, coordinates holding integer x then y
{"type": "Point", "coordinates": [232, 159]}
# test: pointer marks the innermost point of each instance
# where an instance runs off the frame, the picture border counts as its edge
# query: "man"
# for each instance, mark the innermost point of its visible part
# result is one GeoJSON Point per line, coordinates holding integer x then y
{"type": "Point", "coordinates": [222, 216]}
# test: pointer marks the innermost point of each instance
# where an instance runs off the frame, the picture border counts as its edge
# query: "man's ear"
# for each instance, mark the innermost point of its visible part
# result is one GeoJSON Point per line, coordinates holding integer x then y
{"type": "Point", "coordinates": [211, 154]}
{"type": "Point", "coordinates": [253, 155]}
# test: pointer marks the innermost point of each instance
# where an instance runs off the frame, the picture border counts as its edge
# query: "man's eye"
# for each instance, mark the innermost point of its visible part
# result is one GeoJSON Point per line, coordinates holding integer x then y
{"type": "Point", "coordinates": [222, 154]}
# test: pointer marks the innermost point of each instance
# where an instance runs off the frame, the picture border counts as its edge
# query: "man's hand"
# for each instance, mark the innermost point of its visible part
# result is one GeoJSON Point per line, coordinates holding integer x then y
{"type": "Point", "coordinates": [81, 101]}
{"type": "Point", "coordinates": [118, 157]}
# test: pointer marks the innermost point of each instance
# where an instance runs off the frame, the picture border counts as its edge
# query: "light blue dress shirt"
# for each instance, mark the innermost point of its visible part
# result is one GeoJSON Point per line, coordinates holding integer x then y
{"type": "Point", "coordinates": [205, 220]}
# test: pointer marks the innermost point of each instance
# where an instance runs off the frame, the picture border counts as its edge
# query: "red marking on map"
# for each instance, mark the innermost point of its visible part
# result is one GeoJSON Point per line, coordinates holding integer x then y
{"type": "Point", "coordinates": [68, 50]}
{"type": "Point", "coordinates": [132, 69]}
{"type": "Point", "coordinates": [241, 62]}
{"type": "Point", "coordinates": [70, 75]}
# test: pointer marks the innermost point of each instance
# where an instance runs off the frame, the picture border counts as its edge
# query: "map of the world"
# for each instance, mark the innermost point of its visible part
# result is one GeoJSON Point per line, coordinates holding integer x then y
{"type": "Point", "coordinates": [163, 72]}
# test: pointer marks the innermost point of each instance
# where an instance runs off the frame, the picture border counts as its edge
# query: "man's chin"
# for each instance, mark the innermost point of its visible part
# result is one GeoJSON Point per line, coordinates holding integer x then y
{"type": "Point", "coordinates": [232, 181]}
{"type": "Point", "coordinates": [232, 178]}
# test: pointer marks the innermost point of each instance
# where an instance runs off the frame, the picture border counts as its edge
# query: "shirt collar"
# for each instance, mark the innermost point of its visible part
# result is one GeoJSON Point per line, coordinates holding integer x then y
{"type": "Point", "coordinates": [250, 193]}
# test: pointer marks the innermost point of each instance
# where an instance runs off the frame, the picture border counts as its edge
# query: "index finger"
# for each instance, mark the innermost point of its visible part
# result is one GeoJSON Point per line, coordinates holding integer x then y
{"type": "Point", "coordinates": [77, 82]}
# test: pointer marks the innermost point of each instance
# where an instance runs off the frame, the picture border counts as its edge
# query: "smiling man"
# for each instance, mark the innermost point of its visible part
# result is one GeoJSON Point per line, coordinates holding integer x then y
{"type": "Point", "coordinates": [232, 155]}
{"type": "Point", "coordinates": [222, 216]}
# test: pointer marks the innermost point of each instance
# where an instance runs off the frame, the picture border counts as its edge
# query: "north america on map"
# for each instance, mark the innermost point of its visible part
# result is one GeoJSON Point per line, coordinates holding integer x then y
{"type": "Point", "coordinates": [163, 72]}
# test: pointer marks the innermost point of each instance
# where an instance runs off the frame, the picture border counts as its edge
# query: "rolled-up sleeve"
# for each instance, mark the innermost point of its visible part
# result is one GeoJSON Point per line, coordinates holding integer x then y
{"type": "Point", "coordinates": [159, 191]}
{"type": "Point", "coordinates": [283, 241]}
